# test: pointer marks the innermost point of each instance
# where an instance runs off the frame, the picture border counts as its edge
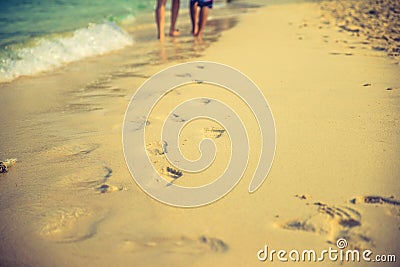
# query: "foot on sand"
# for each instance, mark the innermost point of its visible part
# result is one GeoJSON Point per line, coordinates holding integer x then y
{"type": "Point", "coordinates": [194, 31]}
{"type": "Point", "coordinates": [174, 33]}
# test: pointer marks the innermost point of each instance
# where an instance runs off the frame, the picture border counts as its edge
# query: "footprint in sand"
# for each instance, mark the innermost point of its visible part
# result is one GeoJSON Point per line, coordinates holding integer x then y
{"type": "Point", "coordinates": [90, 178]}
{"type": "Point", "coordinates": [376, 200]}
{"type": "Point", "coordinates": [69, 151]}
{"type": "Point", "coordinates": [345, 216]}
{"type": "Point", "coordinates": [177, 118]}
{"type": "Point", "coordinates": [68, 225]}
{"type": "Point", "coordinates": [109, 188]}
{"type": "Point", "coordinates": [105, 186]}
{"type": "Point", "coordinates": [137, 124]}
{"type": "Point", "coordinates": [173, 173]}
{"type": "Point", "coordinates": [81, 107]}
{"type": "Point", "coordinates": [391, 204]}
{"type": "Point", "coordinates": [157, 148]}
{"type": "Point", "coordinates": [156, 151]}
{"type": "Point", "coordinates": [178, 245]}
{"type": "Point", "coordinates": [99, 88]}
{"type": "Point", "coordinates": [334, 222]}
{"type": "Point", "coordinates": [213, 132]}
{"type": "Point", "coordinates": [170, 172]}
{"type": "Point", "coordinates": [344, 53]}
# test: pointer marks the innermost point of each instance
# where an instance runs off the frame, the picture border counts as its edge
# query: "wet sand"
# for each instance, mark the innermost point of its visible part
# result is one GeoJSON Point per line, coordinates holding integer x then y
{"type": "Point", "coordinates": [70, 199]}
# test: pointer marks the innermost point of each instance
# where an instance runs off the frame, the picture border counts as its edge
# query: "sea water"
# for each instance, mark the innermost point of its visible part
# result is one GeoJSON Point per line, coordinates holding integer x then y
{"type": "Point", "coordinates": [41, 35]}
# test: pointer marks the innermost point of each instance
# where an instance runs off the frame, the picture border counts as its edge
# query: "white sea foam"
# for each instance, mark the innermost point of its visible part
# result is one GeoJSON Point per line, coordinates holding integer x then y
{"type": "Point", "coordinates": [50, 53]}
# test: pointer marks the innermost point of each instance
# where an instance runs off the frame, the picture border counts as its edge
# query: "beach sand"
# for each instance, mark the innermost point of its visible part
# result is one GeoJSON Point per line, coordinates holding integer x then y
{"type": "Point", "coordinates": [335, 173]}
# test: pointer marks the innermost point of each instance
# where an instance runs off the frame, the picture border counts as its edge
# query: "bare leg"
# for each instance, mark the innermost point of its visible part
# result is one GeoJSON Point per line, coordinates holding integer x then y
{"type": "Point", "coordinates": [174, 16]}
{"type": "Point", "coordinates": [193, 18]}
{"type": "Point", "coordinates": [202, 21]}
{"type": "Point", "coordinates": [160, 18]}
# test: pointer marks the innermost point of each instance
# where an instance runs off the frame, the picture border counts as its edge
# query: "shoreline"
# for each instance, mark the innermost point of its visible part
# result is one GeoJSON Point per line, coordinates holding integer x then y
{"type": "Point", "coordinates": [337, 129]}
{"type": "Point", "coordinates": [57, 51]}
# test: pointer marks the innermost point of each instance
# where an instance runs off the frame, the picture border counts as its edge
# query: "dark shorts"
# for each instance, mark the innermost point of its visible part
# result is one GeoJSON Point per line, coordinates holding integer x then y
{"type": "Point", "coordinates": [202, 3]}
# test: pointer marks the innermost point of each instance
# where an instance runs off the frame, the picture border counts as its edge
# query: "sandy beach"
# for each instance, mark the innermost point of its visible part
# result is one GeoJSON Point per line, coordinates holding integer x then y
{"type": "Point", "coordinates": [333, 90]}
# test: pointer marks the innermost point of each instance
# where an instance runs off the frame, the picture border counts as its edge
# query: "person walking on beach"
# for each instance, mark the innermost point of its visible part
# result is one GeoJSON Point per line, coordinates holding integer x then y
{"type": "Point", "coordinates": [160, 18]}
{"type": "Point", "coordinates": [199, 22]}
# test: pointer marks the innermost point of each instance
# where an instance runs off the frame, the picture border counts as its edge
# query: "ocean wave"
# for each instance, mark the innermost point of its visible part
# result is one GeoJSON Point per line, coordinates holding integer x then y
{"type": "Point", "coordinates": [50, 53]}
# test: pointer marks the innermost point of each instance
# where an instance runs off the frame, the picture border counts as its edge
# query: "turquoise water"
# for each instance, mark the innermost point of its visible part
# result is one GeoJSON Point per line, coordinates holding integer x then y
{"type": "Point", "coordinates": [40, 35]}
{"type": "Point", "coordinates": [23, 20]}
